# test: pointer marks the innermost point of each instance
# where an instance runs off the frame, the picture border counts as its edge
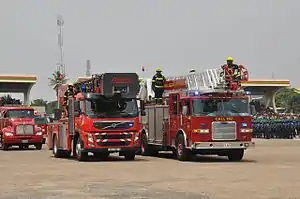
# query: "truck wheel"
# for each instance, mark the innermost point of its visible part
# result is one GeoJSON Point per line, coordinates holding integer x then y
{"type": "Point", "coordinates": [146, 150]}
{"type": "Point", "coordinates": [236, 155]}
{"type": "Point", "coordinates": [80, 154]}
{"type": "Point", "coordinates": [129, 155]}
{"type": "Point", "coordinates": [56, 152]}
{"type": "Point", "coordinates": [38, 146]}
{"type": "Point", "coordinates": [144, 145]}
{"type": "Point", "coordinates": [182, 152]}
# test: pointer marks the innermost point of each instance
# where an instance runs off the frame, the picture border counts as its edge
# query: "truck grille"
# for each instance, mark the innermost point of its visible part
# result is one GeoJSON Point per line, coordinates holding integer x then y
{"type": "Point", "coordinates": [108, 144]}
{"type": "Point", "coordinates": [114, 136]}
{"type": "Point", "coordinates": [114, 125]}
{"type": "Point", "coordinates": [24, 129]}
{"type": "Point", "coordinates": [224, 130]}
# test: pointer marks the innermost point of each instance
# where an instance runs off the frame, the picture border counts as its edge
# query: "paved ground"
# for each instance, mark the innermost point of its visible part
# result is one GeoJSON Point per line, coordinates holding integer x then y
{"type": "Point", "coordinates": [271, 170]}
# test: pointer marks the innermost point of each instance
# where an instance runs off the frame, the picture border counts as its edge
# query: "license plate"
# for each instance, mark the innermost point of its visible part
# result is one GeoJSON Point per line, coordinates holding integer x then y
{"type": "Point", "coordinates": [227, 145]}
{"type": "Point", "coordinates": [114, 149]}
{"type": "Point", "coordinates": [24, 141]}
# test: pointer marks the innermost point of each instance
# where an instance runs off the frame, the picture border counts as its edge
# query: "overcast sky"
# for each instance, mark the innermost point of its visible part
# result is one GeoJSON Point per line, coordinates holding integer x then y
{"type": "Point", "coordinates": [175, 35]}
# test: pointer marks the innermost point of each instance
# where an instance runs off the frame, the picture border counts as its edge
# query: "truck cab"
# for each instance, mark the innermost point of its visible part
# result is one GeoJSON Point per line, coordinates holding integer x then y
{"type": "Point", "coordinates": [17, 128]}
{"type": "Point", "coordinates": [102, 122]}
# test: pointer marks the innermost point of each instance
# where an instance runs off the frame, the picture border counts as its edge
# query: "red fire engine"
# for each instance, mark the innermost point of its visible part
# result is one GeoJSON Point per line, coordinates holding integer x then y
{"type": "Point", "coordinates": [17, 128]}
{"type": "Point", "coordinates": [103, 118]}
{"type": "Point", "coordinates": [201, 115]}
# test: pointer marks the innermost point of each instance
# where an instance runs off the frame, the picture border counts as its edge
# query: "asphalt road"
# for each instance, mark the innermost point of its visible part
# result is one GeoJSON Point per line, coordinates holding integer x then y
{"type": "Point", "coordinates": [271, 170]}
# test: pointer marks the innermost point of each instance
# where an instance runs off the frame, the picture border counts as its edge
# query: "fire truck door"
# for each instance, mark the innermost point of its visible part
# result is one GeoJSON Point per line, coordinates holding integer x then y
{"type": "Point", "coordinates": [160, 113]}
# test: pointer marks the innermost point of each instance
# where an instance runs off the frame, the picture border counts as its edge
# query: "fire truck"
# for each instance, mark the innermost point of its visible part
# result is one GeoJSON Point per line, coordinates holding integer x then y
{"type": "Point", "coordinates": [203, 113]}
{"type": "Point", "coordinates": [102, 118]}
{"type": "Point", "coordinates": [17, 128]}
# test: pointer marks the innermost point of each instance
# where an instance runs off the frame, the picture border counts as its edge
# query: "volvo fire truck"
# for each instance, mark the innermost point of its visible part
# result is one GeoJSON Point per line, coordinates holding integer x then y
{"type": "Point", "coordinates": [102, 118]}
{"type": "Point", "coordinates": [204, 113]}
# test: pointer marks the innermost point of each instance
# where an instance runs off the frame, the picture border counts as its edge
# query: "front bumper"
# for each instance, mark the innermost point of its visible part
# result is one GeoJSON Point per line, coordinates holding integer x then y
{"type": "Point", "coordinates": [222, 145]}
{"type": "Point", "coordinates": [17, 140]}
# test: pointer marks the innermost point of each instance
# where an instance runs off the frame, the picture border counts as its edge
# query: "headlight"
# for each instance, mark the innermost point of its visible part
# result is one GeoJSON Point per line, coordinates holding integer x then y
{"type": "Point", "coordinates": [136, 136]}
{"type": "Point", "coordinates": [8, 134]}
{"type": "Point", "coordinates": [39, 133]}
{"type": "Point", "coordinates": [244, 125]}
{"type": "Point", "coordinates": [90, 137]}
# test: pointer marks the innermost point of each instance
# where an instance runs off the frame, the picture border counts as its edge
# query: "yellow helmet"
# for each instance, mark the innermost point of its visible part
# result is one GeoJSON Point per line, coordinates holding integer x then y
{"type": "Point", "coordinates": [158, 70]}
{"type": "Point", "coordinates": [229, 58]}
{"type": "Point", "coordinates": [70, 84]}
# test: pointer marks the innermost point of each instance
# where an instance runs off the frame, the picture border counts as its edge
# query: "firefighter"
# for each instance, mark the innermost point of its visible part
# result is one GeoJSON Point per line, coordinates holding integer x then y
{"type": "Point", "coordinates": [234, 68]}
{"type": "Point", "coordinates": [70, 92]}
{"type": "Point", "coordinates": [158, 81]}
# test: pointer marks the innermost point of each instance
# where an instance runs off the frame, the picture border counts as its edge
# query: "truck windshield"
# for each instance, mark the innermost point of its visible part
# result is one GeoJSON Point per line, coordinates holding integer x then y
{"type": "Point", "coordinates": [21, 114]}
{"type": "Point", "coordinates": [112, 109]}
{"type": "Point", "coordinates": [224, 107]}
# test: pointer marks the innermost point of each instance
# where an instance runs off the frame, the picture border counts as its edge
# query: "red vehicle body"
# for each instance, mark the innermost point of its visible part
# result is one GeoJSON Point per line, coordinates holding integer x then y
{"type": "Point", "coordinates": [17, 128]}
{"type": "Point", "coordinates": [96, 123]}
{"type": "Point", "coordinates": [209, 123]}
{"type": "Point", "coordinates": [41, 121]}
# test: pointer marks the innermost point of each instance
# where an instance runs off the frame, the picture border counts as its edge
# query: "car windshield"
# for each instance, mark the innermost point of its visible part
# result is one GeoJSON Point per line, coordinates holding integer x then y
{"type": "Point", "coordinates": [21, 114]}
{"type": "Point", "coordinates": [224, 107]}
{"type": "Point", "coordinates": [40, 120]}
{"type": "Point", "coordinates": [112, 108]}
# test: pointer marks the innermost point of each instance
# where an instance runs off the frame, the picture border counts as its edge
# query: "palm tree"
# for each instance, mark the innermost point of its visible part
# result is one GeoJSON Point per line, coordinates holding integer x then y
{"type": "Point", "coordinates": [57, 79]}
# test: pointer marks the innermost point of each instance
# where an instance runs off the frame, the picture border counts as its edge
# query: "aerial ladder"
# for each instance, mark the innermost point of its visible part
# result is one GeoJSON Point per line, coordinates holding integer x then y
{"type": "Point", "coordinates": [208, 81]}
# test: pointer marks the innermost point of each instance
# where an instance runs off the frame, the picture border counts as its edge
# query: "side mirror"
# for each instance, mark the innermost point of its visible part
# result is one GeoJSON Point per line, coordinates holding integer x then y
{"type": "Point", "coordinates": [57, 114]}
{"type": "Point", "coordinates": [143, 113]}
{"type": "Point", "coordinates": [184, 110]}
{"type": "Point", "coordinates": [142, 106]}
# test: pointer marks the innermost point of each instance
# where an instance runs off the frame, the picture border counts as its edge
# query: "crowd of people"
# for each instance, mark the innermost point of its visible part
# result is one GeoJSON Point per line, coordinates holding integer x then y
{"type": "Point", "coordinates": [268, 124]}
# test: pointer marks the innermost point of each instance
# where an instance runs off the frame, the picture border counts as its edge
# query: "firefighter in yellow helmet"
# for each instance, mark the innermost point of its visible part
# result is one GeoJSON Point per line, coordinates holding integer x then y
{"type": "Point", "coordinates": [234, 69]}
{"type": "Point", "coordinates": [158, 82]}
{"type": "Point", "coordinates": [69, 93]}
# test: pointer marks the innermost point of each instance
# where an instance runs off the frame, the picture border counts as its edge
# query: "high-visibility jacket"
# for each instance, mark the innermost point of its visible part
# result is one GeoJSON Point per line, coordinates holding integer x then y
{"type": "Point", "coordinates": [158, 81]}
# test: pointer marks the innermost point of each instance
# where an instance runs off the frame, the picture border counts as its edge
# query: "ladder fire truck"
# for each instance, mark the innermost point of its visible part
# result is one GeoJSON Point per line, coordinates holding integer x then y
{"type": "Point", "coordinates": [203, 114]}
{"type": "Point", "coordinates": [102, 118]}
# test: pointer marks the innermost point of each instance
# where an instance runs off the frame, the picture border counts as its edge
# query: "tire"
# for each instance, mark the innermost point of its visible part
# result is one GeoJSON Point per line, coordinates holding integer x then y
{"type": "Point", "coordinates": [129, 156]}
{"type": "Point", "coordinates": [146, 150]}
{"type": "Point", "coordinates": [236, 155]}
{"type": "Point", "coordinates": [57, 152]}
{"type": "Point", "coordinates": [144, 146]}
{"type": "Point", "coordinates": [80, 154]}
{"type": "Point", "coordinates": [182, 153]}
{"type": "Point", "coordinates": [38, 146]}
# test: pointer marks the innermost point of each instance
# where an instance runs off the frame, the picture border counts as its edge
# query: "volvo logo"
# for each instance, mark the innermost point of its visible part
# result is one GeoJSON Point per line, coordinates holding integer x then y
{"type": "Point", "coordinates": [113, 125]}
